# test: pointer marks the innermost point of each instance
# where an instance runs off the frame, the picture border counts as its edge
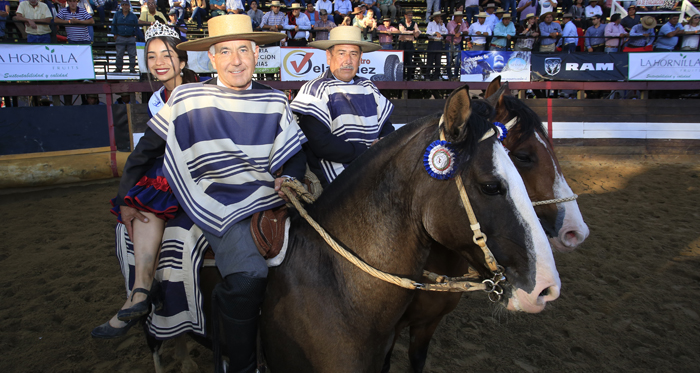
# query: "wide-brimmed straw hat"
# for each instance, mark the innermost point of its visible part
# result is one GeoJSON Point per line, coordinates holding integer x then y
{"type": "Point", "coordinates": [345, 35]}
{"type": "Point", "coordinates": [648, 22]}
{"type": "Point", "coordinates": [458, 13]}
{"type": "Point", "coordinates": [542, 16]}
{"type": "Point", "coordinates": [277, 3]}
{"type": "Point", "coordinates": [499, 10]}
{"type": "Point", "coordinates": [529, 15]}
{"type": "Point", "coordinates": [296, 6]}
{"type": "Point", "coordinates": [231, 27]}
{"type": "Point", "coordinates": [436, 14]}
{"type": "Point", "coordinates": [507, 15]}
{"type": "Point", "coordinates": [567, 15]}
{"type": "Point", "coordinates": [482, 15]}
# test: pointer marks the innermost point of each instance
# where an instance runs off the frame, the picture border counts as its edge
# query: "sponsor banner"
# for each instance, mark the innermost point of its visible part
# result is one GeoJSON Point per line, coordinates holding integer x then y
{"type": "Point", "coordinates": [650, 2]}
{"type": "Point", "coordinates": [196, 61]}
{"type": "Point", "coordinates": [309, 63]}
{"type": "Point", "coordinates": [664, 66]}
{"type": "Point", "coordinates": [268, 61]}
{"type": "Point", "coordinates": [582, 67]}
{"type": "Point", "coordinates": [45, 62]}
{"type": "Point", "coordinates": [484, 66]}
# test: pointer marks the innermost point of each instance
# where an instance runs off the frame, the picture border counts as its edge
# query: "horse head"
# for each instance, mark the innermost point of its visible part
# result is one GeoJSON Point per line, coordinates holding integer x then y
{"type": "Point", "coordinates": [534, 157]}
{"type": "Point", "coordinates": [500, 203]}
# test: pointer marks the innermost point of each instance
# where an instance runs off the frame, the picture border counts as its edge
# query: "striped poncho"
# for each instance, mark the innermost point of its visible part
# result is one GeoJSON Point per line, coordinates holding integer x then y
{"type": "Point", "coordinates": [222, 147]}
{"type": "Point", "coordinates": [354, 112]}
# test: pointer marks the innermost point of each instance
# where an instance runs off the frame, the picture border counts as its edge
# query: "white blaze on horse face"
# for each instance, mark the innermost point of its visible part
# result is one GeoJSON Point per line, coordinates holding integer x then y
{"type": "Point", "coordinates": [572, 230]}
{"type": "Point", "coordinates": [547, 283]}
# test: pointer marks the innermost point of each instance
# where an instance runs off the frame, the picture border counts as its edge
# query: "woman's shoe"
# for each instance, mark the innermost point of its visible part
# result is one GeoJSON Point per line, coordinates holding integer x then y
{"type": "Point", "coordinates": [137, 310]}
{"type": "Point", "coordinates": [106, 331]}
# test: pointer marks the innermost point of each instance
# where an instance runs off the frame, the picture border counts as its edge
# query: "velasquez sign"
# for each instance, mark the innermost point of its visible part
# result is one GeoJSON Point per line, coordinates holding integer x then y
{"type": "Point", "coordinates": [664, 66]}
{"type": "Point", "coordinates": [40, 62]}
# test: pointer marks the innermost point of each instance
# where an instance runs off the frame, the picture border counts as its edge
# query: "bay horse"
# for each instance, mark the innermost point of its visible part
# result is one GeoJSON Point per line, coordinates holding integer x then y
{"type": "Point", "coordinates": [534, 157]}
{"type": "Point", "coordinates": [322, 314]}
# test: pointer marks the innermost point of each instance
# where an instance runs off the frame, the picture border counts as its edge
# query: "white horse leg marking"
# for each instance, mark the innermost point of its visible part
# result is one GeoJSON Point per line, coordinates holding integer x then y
{"type": "Point", "coordinates": [573, 230]}
{"type": "Point", "coordinates": [546, 276]}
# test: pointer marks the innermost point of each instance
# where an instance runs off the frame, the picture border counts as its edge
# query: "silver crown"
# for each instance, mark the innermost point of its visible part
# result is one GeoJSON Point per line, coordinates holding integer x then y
{"type": "Point", "coordinates": [159, 29]}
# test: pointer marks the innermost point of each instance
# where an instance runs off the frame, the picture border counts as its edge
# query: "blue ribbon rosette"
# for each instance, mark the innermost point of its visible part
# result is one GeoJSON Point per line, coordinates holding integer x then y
{"type": "Point", "coordinates": [439, 160]}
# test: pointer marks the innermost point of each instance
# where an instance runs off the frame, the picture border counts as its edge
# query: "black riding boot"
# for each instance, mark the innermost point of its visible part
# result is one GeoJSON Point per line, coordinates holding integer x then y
{"type": "Point", "coordinates": [238, 300]}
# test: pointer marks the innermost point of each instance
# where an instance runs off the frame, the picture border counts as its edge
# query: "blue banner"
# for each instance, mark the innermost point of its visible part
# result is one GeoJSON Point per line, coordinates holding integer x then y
{"type": "Point", "coordinates": [484, 66]}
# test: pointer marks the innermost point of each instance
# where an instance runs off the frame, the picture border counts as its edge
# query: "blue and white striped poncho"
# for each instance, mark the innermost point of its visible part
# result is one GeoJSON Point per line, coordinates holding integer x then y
{"type": "Point", "coordinates": [222, 147]}
{"type": "Point", "coordinates": [354, 112]}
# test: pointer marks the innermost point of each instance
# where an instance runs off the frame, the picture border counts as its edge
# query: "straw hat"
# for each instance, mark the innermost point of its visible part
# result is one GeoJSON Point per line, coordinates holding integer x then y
{"type": "Point", "coordinates": [296, 6]}
{"type": "Point", "coordinates": [458, 13]}
{"type": "Point", "coordinates": [436, 14]}
{"type": "Point", "coordinates": [499, 10]}
{"type": "Point", "coordinates": [230, 27]}
{"type": "Point", "coordinates": [492, 5]}
{"type": "Point", "coordinates": [567, 15]}
{"type": "Point", "coordinates": [344, 35]}
{"type": "Point", "coordinates": [277, 3]}
{"type": "Point", "coordinates": [507, 15]}
{"type": "Point", "coordinates": [482, 15]}
{"type": "Point", "coordinates": [529, 15]}
{"type": "Point", "coordinates": [542, 16]}
{"type": "Point", "coordinates": [648, 22]}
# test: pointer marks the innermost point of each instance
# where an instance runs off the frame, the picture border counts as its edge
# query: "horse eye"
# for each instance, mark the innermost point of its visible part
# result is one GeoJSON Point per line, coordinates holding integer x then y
{"type": "Point", "coordinates": [491, 189]}
{"type": "Point", "coordinates": [524, 158]}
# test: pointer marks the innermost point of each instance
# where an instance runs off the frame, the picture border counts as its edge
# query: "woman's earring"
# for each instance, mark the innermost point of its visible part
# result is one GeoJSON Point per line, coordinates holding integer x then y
{"type": "Point", "coordinates": [181, 73]}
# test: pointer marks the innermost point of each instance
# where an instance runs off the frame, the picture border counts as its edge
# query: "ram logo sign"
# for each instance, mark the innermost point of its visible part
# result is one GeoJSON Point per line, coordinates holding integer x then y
{"type": "Point", "coordinates": [589, 66]}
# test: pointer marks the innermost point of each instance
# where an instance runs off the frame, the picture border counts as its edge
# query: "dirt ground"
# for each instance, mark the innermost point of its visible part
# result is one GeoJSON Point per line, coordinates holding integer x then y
{"type": "Point", "coordinates": [630, 294]}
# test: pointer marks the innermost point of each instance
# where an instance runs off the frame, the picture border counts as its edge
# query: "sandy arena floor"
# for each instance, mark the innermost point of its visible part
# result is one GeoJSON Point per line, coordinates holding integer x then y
{"type": "Point", "coordinates": [630, 294]}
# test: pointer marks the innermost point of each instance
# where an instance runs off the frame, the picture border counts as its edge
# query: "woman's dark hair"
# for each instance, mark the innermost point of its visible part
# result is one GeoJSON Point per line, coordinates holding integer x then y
{"type": "Point", "coordinates": [615, 17]}
{"type": "Point", "coordinates": [188, 76]}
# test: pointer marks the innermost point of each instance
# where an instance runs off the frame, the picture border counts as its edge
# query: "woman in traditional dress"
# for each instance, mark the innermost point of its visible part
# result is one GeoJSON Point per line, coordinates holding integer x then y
{"type": "Point", "coordinates": [145, 205]}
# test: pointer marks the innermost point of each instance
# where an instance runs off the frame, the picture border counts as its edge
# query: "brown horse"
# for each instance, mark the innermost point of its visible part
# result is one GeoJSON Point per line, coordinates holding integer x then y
{"type": "Point", "coordinates": [534, 157]}
{"type": "Point", "coordinates": [322, 314]}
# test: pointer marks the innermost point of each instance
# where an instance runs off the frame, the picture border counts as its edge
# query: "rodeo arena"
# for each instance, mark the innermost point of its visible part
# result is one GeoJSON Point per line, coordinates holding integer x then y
{"type": "Point", "coordinates": [350, 186]}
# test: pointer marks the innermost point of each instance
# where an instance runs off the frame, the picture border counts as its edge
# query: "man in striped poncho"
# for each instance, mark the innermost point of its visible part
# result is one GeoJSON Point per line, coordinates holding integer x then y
{"type": "Point", "coordinates": [225, 142]}
{"type": "Point", "coordinates": [341, 114]}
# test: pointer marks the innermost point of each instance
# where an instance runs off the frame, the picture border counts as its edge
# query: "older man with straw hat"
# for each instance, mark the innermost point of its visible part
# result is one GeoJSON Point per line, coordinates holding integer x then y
{"type": "Point", "coordinates": [225, 142]}
{"type": "Point", "coordinates": [341, 113]}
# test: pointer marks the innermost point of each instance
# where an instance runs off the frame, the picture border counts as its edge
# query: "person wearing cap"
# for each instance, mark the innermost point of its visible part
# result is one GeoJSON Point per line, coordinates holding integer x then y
{"type": "Point", "coordinates": [151, 15]}
{"type": "Point", "coordinates": [614, 32]}
{"type": "Point", "coordinates": [478, 32]}
{"type": "Point", "coordinates": [74, 17]}
{"type": "Point", "coordinates": [252, 124]}
{"type": "Point", "coordinates": [455, 29]}
{"type": "Point", "coordinates": [436, 31]}
{"type": "Point", "coordinates": [342, 9]}
{"type": "Point", "coordinates": [388, 8]}
{"type": "Point", "coordinates": [668, 35]}
{"type": "Point", "coordinates": [594, 40]}
{"type": "Point", "coordinates": [297, 25]}
{"type": "Point", "coordinates": [327, 5]}
{"type": "Point", "coordinates": [92, 99]}
{"type": "Point", "coordinates": [502, 34]}
{"type": "Point", "coordinates": [593, 8]}
{"type": "Point", "coordinates": [691, 31]}
{"type": "Point", "coordinates": [569, 34]}
{"type": "Point", "coordinates": [124, 26]}
{"type": "Point", "coordinates": [217, 8]}
{"type": "Point", "coordinates": [386, 33]}
{"type": "Point", "coordinates": [632, 18]}
{"type": "Point", "coordinates": [323, 26]}
{"type": "Point", "coordinates": [409, 32]}
{"type": "Point", "coordinates": [549, 32]}
{"type": "Point", "coordinates": [312, 14]}
{"type": "Point", "coordinates": [274, 19]}
{"type": "Point", "coordinates": [178, 5]}
{"type": "Point", "coordinates": [643, 35]}
{"type": "Point", "coordinates": [527, 33]}
{"type": "Point", "coordinates": [178, 24]}
{"type": "Point", "coordinates": [124, 98]}
{"type": "Point", "coordinates": [235, 7]}
{"type": "Point", "coordinates": [27, 13]}
{"type": "Point", "coordinates": [341, 114]}
{"type": "Point", "coordinates": [491, 17]}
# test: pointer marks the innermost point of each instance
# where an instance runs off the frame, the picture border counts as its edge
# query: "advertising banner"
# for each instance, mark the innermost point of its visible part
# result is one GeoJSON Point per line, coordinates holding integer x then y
{"type": "Point", "coordinates": [268, 61]}
{"type": "Point", "coordinates": [581, 67]}
{"type": "Point", "coordinates": [664, 66]}
{"type": "Point", "coordinates": [484, 66]}
{"type": "Point", "coordinates": [650, 2]}
{"type": "Point", "coordinates": [45, 62]}
{"type": "Point", "coordinates": [309, 63]}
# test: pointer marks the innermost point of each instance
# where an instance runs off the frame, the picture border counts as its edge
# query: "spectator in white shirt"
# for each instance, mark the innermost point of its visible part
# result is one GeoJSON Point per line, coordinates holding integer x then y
{"type": "Point", "coordinates": [478, 32]}
{"type": "Point", "coordinates": [436, 32]}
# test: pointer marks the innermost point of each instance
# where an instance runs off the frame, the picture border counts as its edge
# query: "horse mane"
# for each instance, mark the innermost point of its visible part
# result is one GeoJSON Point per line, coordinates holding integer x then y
{"type": "Point", "coordinates": [529, 122]}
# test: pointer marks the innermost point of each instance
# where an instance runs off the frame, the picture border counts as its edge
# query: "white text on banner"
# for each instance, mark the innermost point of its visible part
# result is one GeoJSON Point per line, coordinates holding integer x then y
{"type": "Point", "coordinates": [45, 62]}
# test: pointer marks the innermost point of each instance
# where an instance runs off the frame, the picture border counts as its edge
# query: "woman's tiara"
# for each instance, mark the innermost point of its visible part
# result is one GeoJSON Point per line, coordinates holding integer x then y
{"type": "Point", "coordinates": [159, 29]}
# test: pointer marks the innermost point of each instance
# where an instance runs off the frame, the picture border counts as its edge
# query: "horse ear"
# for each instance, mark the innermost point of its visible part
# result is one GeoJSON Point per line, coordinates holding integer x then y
{"type": "Point", "coordinates": [494, 98]}
{"type": "Point", "coordinates": [457, 111]}
{"type": "Point", "coordinates": [493, 86]}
